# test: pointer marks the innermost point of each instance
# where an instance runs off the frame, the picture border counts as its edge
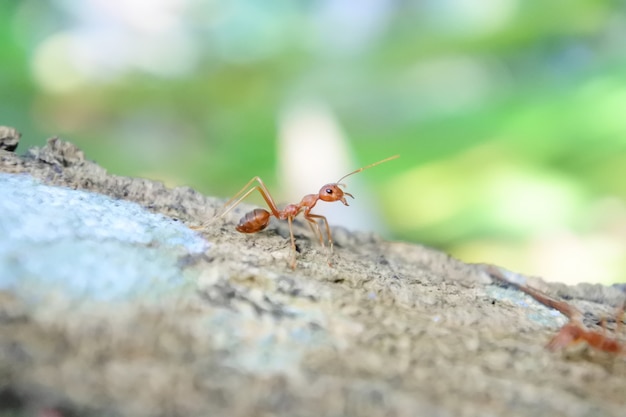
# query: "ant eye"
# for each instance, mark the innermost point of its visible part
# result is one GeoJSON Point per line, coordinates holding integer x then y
{"type": "Point", "coordinates": [329, 191]}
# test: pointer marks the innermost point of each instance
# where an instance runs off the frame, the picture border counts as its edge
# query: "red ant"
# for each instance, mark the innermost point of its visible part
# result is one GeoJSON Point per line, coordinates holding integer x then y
{"type": "Point", "coordinates": [574, 331]}
{"type": "Point", "coordinates": [258, 219]}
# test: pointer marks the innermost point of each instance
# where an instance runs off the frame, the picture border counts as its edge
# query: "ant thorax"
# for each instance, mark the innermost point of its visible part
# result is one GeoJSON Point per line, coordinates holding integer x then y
{"type": "Point", "coordinates": [290, 210]}
{"type": "Point", "coordinates": [308, 200]}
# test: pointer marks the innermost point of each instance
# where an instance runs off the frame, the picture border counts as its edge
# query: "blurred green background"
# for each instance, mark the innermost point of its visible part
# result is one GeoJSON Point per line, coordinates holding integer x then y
{"type": "Point", "coordinates": [509, 115]}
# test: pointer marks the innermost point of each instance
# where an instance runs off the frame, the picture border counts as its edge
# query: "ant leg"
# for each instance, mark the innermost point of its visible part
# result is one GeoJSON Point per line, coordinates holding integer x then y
{"type": "Point", "coordinates": [293, 244]}
{"type": "Point", "coordinates": [242, 194]}
{"type": "Point", "coordinates": [311, 217]}
{"type": "Point", "coordinates": [226, 208]}
{"type": "Point", "coordinates": [315, 228]}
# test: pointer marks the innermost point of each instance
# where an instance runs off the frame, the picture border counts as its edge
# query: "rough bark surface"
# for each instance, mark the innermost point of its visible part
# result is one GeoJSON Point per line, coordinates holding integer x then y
{"type": "Point", "coordinates": [391, 329]}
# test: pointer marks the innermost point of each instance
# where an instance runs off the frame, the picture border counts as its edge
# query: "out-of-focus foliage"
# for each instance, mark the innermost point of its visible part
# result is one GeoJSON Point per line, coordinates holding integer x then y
{"type": "Point", "coordinates": [509, 115]}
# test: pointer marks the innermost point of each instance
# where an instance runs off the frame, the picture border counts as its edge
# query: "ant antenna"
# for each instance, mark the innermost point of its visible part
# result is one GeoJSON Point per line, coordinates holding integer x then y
{"type": "Point", "coordinates": [366, 167]}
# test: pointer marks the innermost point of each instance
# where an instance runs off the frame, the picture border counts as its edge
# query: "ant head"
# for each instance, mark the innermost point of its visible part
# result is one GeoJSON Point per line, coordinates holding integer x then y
{"type": "Point", "coordinates": [332, 192]}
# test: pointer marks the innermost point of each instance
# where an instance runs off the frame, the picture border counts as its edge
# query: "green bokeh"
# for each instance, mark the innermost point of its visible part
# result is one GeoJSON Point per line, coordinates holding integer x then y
{"type": "Point", "coordinates": [509, 117]}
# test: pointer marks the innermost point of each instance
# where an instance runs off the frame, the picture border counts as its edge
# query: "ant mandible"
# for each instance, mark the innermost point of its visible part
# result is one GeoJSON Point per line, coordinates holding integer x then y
{"type": "Point", "coordinates": [258, 219]}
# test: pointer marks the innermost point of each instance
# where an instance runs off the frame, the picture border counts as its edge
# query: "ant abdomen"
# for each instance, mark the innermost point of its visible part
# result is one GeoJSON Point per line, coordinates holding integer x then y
{"type": "Point", "coordinates": [254, 221]}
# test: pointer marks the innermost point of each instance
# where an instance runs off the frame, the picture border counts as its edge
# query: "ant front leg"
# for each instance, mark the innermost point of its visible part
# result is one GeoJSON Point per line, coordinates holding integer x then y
{"type": "Point", "coordinates": [315, 228]}
{"type": "Point", "coordinates": [293, 243]}
{"type": "Point", "coordinates": [312, 219]}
